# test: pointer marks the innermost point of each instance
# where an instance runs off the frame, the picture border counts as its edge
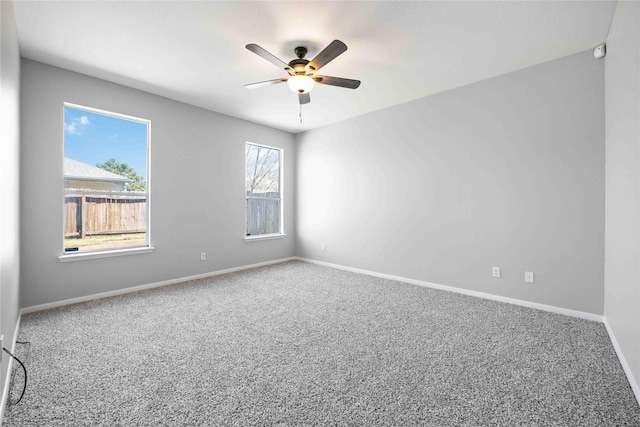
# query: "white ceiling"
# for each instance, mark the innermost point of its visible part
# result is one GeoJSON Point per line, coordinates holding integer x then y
{"type": "Point", "coordinates": [195, 52]}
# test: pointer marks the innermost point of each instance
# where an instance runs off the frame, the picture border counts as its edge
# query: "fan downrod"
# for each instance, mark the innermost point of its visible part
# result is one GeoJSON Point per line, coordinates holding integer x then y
{"type": "Point", "coordinates": [300, 51]}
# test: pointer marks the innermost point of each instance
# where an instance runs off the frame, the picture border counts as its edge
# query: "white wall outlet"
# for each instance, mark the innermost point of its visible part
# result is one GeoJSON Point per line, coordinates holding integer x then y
{"type": "Point", "coordinates": [496, 271]}
{"type": "Point", "coordinates": [322, 247]}
{"type": "Point", "coordinates": [528, 277]}
{"type": "Point", "coordinates": [203, 256]}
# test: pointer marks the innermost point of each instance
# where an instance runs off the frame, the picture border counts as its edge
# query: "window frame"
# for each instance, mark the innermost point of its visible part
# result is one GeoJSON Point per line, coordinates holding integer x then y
{"type": "Point", "coordinates": [281, 233]}
{"type": "Point", "coordinates": [67, 256]}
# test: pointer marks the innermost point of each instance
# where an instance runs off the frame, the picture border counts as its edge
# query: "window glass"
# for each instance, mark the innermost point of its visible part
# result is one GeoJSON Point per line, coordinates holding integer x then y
{"type": "Point", "coordinates": [106, 185]}
{"type": "Point", "coordinates": [263, 190]}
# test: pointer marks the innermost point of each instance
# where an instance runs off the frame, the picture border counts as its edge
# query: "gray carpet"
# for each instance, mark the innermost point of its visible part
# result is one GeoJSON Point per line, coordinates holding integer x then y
{"type": "Point", "coordinates": [300, 344]}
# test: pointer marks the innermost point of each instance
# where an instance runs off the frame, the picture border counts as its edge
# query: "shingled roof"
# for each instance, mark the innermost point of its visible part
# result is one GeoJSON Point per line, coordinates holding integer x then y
{"type": "Point", "coordinates": [76, 170]}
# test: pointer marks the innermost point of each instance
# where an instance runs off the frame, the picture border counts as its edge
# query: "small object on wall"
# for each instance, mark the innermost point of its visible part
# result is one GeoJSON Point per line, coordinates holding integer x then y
{"type": "Point", "coordinates": [528, 277]}
{"type": "Point", "coordinates": [496, 271]}
{"type": "Point", "coordinates": [600, 51]}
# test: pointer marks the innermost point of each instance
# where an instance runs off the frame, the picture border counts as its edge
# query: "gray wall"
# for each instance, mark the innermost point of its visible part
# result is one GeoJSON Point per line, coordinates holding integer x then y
{"type": "Point", "coordinates": [9, 179]}
{"type": "Point", "coordinates": [622, 262]}
{"type": "Point", "coordinates": [197, 189]}
{"type": "Point", "coordinates": [506, 172]}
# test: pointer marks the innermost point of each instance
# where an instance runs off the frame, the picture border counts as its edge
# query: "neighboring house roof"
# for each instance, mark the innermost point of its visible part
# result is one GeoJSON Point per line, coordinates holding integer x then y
{"type": "Point", "coordinates": [76, 170]}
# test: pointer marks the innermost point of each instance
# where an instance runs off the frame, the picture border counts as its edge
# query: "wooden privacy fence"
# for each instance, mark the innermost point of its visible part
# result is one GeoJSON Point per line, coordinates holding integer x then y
{"type": "Point", "coordinates": [262, 216]}
{"type": "Point", "coordinates": [91, 214]}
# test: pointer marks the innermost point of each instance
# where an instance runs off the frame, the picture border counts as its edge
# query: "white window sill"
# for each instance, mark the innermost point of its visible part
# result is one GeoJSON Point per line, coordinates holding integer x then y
{"type": "Point", "coordinates": [263, 237]}
{"type": "Point", "coordinates": [104, 254]}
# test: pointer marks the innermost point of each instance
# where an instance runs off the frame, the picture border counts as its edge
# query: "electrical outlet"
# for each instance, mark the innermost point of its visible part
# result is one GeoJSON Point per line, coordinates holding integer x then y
{"type": "Point", "coordinates": [203, 256]}
{"type": "Point", "coordinates": [322, 247]}
{"type": "Point", "coordinates": [528, 277]}
{"type": "Point", "coordinates": [496, 271]}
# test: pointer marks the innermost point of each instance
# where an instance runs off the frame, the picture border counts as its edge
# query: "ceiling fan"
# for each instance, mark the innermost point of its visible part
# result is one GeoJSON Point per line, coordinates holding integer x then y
{"type": "Point", "coordinates": [301, 71]}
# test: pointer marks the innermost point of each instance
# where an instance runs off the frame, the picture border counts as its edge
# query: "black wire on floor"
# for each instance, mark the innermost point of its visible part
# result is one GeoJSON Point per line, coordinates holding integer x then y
{"type": "Point", "coordinates": [23, 367]}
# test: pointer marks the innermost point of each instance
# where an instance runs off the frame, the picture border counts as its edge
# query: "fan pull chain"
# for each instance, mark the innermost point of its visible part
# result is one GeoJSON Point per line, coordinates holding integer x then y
{"type": "Point", "coordinates": [300, 113]}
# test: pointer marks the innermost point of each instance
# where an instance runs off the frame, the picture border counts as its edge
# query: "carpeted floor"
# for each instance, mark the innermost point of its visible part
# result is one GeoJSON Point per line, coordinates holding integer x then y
{"type": "Point", "coordinates": [300, 344]}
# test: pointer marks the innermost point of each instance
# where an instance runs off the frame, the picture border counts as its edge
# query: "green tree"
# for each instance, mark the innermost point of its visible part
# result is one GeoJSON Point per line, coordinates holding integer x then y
{"type": "Point", "coordinates": [137, 182]}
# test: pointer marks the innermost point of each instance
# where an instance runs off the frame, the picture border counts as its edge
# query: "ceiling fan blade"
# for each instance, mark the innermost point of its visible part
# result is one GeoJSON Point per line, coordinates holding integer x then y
{"type": "Point", "coordinates": [304, 98]}
{"type": "Point", "coordinates": [265, 83]}
{"type": "Point", "coordinates": [269, 57]}
{"type": "Point", "coordinates": [337, 81]}
{"type": "Point", "coordinates": [329, 53]}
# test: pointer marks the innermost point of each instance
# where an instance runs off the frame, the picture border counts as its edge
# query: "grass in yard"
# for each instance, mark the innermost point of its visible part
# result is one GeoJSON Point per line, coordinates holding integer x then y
{"type": "Point", "coordinates": [74, 242]}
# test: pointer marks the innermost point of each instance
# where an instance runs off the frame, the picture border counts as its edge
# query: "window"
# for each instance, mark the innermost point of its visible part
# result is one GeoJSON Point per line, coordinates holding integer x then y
{"type": "Point", "coordinates": [263, 190]}
{"type": "Point", "coordinates": [106, 183]}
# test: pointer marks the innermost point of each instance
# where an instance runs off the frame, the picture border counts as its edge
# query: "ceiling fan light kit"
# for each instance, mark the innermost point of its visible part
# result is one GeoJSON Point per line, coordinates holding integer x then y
{"type": "Point", "coordinates": [301, 71]}
{"type": "Point", "coordinates": [300, 83]}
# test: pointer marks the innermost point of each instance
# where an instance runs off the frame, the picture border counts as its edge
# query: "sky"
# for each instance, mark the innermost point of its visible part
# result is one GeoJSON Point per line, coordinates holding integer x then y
{"type": "Point", "coordinates": [93, 138]}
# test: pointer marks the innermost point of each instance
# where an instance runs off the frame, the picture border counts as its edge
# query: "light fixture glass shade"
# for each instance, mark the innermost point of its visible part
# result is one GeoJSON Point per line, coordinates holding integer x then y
{"type": "Point", "coordinates": [300, 84]}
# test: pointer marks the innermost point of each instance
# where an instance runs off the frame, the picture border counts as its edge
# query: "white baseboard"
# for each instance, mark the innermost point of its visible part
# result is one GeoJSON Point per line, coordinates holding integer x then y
{"type": "Point", "coordinates": [523, 303]}
{"type": "Point", "coordinates": [124, 291]}
{"type": "Point", "coordinates": [7, 381]}
{"type": "Point", "coordinates": [625, 366]}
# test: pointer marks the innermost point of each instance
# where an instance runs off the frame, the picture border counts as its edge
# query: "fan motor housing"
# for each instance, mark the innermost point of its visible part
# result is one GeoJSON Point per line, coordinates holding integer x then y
{"type": "Point", "coordinates": [298, 65]}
